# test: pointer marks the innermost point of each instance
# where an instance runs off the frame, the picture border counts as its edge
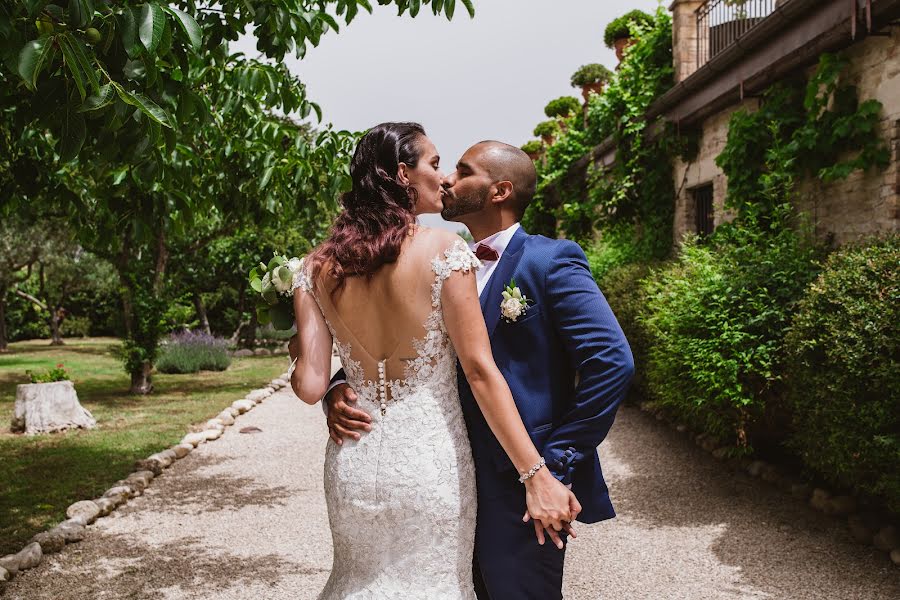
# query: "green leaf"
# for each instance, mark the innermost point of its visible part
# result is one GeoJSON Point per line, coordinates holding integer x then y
{"type": "Point", "coordinates": [256, 285]}
{"type": "Point", "coordinates": [282, 316]}
{"type": "Point", "coordinates": [267, 175]}
{"type": "Point", "coordinates": [81, 12]}
{"type": "Point", "coordinates": [34, 6]}
{"type": "Point", "coordinates": [146, 106]}
{"type": "Point", "coordinates": [188, 24]}
{"type": "Point", "coordinates": [72, 63]}
{"type": "Point", "coordinates": [71, 138]}
{"type": "Point", "coordinates": [150, 26]}
{"type": "Point", "coordinates": [102, 98]}
{"type": "Point", "coordinates": [470, 8]}
{"type": "Point", "coordinates": [330, 20]}
{"type": "Point", "coordinates": [34, 57]}
{"type": "Point", "coordinates": [81, 55]}
{"type": "Point", "coordinates": [449, 9]}
{"type": "Point", "coordinates": [128, 25]}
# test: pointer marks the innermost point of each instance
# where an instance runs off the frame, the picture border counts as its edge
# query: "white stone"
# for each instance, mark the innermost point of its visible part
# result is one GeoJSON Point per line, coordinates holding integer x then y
{"type": "Point", "coordinates": [819, 499]}
{"type": "Point", "coordinates": [226, 418]}
{"type": "Point", "coordinates": [27, 558]}
{"type": "Point", "coordinates": [106, 505]}
{"type": "Point", "coordinates": [162, 459]}
{"type": "Point", "coordinates": [259, 395]}
{"type": "Point", "coordinates": [182, 450]}
{"type": "Point", "coordinates": [194, 439]}
{"type": "Point", "coordinates": [85, 509]}
{"type": "Point", "coordinates": [119, 490]}
{"type": "Point", "coordinates": [50, 542]}
{"type": "Point", "coordinates": [72, 530]}
{"type": "Point", "coordinates": [895, 556]}
{"type": "Point", "coordinates": [4, 575]}
{"type": "Point", "coordinates": [233, 411]}
{"type": "Point", "coordinates": [212, 434]}
{"type": "Point", "coordinates": [49, 407]}
{"type": "Point", "coordinates": [243, 406]}
{"type": "Point", "coordinates": [215, 424]}
{"type": "Point", "coordinates": [278, 383]}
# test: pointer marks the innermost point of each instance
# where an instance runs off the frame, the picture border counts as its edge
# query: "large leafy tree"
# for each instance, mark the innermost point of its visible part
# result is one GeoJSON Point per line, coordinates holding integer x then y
{"type": "Point", "coordinates": [154, 123]}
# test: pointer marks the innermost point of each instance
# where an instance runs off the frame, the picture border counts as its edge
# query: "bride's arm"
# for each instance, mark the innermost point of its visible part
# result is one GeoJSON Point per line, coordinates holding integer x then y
{"type": "Point", "coordinates": [548, 500]}
{"type": "Point", "coordinates": [312, 373]}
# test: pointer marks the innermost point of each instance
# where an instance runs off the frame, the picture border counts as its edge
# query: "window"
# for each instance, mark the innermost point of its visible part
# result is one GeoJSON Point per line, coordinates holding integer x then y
{"type": "Point", "coordinates": [704, 222]}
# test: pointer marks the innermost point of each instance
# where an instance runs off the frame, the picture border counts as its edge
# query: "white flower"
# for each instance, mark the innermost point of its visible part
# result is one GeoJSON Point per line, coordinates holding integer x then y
{"type": "Point", "coordinates": [266, 281]}
{"type": "Point", "coordinates": [295, 264]}
{"type": "Point", "coordinates": [512, 309]}
{"type": "Point", "coordinates": [514, 304]}
{"type": "Point", "coordinates": [282, 278]}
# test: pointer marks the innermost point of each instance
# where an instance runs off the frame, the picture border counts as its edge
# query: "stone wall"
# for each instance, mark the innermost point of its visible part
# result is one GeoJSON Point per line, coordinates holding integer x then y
{"type": "Point", "coordinates": [843, 211]}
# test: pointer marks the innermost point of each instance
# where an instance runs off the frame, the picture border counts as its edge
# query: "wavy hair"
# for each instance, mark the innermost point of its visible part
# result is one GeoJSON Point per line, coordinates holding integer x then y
{"type": "Point", "coordinates": [378, 209]}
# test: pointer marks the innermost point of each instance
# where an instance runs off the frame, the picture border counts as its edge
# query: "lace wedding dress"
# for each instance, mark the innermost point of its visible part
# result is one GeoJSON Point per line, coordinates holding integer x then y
{"type": "Point", "coordinates": [401, 500]}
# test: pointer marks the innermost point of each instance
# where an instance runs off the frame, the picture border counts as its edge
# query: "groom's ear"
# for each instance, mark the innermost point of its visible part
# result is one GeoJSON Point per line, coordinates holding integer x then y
{"type": "Point", "coordinates": [503, 192]}
{"type": "Point", "coordinates": [403, 173]}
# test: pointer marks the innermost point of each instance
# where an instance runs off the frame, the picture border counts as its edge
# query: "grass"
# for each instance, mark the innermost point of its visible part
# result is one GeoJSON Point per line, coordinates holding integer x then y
{"type": "Point", "coordinates": [41, 476]}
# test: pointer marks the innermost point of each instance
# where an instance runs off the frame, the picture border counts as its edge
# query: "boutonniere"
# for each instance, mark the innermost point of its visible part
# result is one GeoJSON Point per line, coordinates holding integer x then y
{"type": "Point", "coordinates": [514, 304]}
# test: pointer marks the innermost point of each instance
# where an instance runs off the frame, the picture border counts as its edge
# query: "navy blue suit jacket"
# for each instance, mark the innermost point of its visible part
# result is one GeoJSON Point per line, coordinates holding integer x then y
{"type": "Point", "coordinates": [566, 361]}
{"type": "Point", "coordinates": [567, 364]}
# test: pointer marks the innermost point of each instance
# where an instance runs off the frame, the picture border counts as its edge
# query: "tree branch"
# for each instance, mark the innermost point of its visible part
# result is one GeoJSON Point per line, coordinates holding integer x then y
{"type": "Point", "coordinates": [30, 298]}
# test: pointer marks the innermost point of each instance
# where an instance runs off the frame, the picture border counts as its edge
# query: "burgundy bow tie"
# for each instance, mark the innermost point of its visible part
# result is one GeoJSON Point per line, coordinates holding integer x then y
{"type": "Point", "coordinates": [485, 252]}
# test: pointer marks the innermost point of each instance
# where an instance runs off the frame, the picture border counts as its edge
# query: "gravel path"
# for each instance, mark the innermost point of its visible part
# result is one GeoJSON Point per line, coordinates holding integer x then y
{"type": "Point", "coordinates": [244, 518]}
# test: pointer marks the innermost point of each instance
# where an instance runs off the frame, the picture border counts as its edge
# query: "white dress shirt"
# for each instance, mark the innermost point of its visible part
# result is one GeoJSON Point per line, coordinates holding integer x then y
{"type": "Point", "coordinates": [499, 241]}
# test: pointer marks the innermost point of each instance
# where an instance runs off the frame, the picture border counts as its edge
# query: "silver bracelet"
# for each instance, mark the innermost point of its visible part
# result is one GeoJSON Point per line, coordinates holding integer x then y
{"type": "Point", "coordinates": [534, 469]}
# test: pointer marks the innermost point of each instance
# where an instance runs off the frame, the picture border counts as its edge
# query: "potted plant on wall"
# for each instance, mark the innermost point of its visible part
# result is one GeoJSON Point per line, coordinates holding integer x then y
{"type": "Point", "coordinates": [591, 79]}
{"type": "Point", "coordinates": [546, 130]}
{"type": "Point", "coordinates": [49, 403]}
{"type": "Point", "coordinates": [561, 109]}
{"type": "Point", "coordinates": [621, 32]}
{"type": "Point", "coordinates": [534, 149]}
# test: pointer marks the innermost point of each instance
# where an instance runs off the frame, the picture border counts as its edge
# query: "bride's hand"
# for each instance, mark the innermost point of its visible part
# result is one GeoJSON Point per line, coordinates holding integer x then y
{"type": "Point", "coordinates": [552, 506]}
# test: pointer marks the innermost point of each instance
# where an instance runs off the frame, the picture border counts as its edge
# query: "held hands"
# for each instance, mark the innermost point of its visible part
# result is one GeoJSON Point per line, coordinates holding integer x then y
{"type": "Point", "coordinates": [551, 506]}
{"type": "Point", "coordinates": [344, 421]}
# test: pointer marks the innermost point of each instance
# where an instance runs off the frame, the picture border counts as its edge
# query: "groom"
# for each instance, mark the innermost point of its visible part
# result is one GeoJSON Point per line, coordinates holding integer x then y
{"type": "Point", "coordinates": [566, 360]}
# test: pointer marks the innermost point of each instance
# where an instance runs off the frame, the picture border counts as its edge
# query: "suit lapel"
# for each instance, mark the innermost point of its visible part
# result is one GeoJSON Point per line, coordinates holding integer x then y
{"type": "Point", "coordinates": [490, 299]}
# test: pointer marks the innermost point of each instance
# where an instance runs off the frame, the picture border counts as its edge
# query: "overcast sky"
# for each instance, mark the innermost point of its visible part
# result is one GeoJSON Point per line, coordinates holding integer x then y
{"type": "Point", "coordinates": [466, 80]}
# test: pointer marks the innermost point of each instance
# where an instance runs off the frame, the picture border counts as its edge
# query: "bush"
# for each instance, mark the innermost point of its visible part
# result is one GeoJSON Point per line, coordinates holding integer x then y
{"type": "Point", "coordinates": [190, 352]}
{"type": "Point", "coordinates": [844, 385]}
{"type": "Point", "coordinates": [532, 146]}
{"type": "Point", "coordinates": [625, 293]}
{"type": "Point", "coordinates": [716, 320]}
{"type": "Point", "coordinates": [562, 107]}
{"type": "Point", "coordinates": [546, 128]}
{"type": "Point", "coordinates": [57, 373]}
{"type": "Point", "coordinates": [76, 327]}
{"type": "Point", "coordinates": [626, 26]}
{"type": "Point", "coordinates": [592, 73]}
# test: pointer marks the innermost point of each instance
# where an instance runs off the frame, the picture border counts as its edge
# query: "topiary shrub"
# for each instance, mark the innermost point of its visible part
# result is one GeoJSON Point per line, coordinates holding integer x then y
{"type": "Point", "coordinates": [546, 128]}
{"type": "Point", "coordinates": [589, 74]}
{"type": "Point", "coordinates": [716, 319]}
{"type": "Point", "coordinates": [844, 387]}
{"type": "Point", "coordinates": [532, 146]}
{"type": "Point", "coordinates": [626, 26]}
{"type": "Point", "coordinates": [562, 107]}
{"type": "Point", "coordinates": [190, 352]}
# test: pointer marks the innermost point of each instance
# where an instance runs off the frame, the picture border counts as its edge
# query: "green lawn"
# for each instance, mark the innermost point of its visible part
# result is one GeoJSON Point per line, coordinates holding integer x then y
{"type": "Point", "coordinates": [41, 475]}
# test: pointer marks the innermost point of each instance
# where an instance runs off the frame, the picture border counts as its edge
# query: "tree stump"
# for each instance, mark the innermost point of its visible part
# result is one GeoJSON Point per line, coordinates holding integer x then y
{"type": "Point", "coordinates": [49, 407]}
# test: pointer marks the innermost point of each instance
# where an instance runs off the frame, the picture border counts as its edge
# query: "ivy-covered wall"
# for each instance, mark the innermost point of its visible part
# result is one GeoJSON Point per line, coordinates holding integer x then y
{"type": "Point", "coordinates": [841, 211]}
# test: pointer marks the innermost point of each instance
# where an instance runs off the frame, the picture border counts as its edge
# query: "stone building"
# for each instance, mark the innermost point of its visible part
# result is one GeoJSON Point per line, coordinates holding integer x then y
{"type": "Point", "coordinates": [727, 52]}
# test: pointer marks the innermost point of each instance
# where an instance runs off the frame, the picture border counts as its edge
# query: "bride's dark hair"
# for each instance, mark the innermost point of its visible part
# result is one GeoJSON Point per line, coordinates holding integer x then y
{"type": "Point", "coordinates": [378, 209]}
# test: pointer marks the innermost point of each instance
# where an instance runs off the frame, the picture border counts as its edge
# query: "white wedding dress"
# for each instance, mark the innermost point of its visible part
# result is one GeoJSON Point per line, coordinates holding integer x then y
{"type": "Point", "coordinates": [401, 500]}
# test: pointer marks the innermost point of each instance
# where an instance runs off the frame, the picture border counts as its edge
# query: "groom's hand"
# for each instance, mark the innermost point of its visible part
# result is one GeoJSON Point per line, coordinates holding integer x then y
{"type": "Point", "coordinates": [344, 421]}
{"type": "Point", "coordinates": [540, 527]}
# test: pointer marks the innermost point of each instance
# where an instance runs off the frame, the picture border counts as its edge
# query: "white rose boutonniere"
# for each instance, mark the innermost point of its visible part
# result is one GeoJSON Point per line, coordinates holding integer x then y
{"type": "Point", "coordinates": [514, 303]}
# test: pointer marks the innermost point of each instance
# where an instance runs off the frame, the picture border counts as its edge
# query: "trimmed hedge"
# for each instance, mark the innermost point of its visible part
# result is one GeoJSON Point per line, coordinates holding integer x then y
{"type": "Point", "coordinates": [844, 386]}
{"type": "Point", "coordinates": [716, 320]}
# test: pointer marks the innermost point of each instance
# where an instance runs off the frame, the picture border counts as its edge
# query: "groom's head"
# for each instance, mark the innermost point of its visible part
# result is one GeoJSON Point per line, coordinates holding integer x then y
{"type": "Point", "coordinates": [493, 181]}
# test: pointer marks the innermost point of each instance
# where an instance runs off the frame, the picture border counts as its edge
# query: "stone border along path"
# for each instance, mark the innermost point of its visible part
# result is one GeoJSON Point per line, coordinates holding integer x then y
{"type": "Point", "coordinates": [245, 518]}
{"type": "Point", "coordinates": [83, 513]}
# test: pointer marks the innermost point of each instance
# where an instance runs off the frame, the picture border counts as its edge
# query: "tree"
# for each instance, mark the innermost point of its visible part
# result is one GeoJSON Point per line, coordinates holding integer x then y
{"type": "Point", "coordinates": [166, 125]}
{"type": "Point", "coordinates": [20, 244]}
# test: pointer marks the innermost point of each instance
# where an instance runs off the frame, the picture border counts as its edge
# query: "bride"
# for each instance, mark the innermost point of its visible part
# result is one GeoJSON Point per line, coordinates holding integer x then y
{"type": "Point", "coordinates": [400, 303]}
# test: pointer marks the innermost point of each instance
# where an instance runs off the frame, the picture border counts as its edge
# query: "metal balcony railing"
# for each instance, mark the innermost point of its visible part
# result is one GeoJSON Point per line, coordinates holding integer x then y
{"type": "Point", "coordinates": [720, 23]}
